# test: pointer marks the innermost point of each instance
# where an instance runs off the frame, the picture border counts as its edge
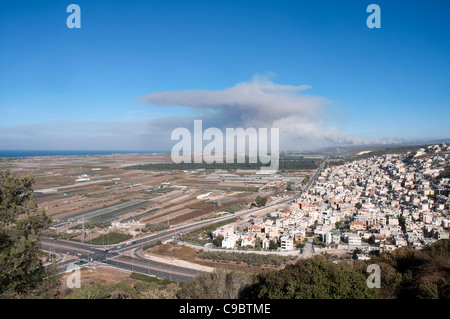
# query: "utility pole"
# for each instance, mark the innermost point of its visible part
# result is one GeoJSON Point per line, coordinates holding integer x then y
{"type": "Point", "coordinates": [83, 234]}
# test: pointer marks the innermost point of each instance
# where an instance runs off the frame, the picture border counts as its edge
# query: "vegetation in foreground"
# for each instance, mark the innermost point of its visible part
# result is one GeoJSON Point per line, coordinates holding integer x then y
{"type": "Point", "coordinates": [405, 274]}
{"type": "Point", "coordinates": [22, 273]}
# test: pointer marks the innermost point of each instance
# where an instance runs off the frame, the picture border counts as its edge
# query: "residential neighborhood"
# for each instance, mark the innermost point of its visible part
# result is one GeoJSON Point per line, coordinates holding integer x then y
{"type": "Point", "coordinates": [378, 203]}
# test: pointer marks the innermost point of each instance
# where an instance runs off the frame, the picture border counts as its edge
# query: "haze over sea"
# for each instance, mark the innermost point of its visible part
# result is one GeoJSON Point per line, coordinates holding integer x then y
{"type": "Point", "coordinates": [31, 153]}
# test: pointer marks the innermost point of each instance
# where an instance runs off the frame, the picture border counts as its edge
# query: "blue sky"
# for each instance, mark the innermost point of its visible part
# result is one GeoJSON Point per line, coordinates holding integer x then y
{"type": "Point", "coordinates": [97, 87]}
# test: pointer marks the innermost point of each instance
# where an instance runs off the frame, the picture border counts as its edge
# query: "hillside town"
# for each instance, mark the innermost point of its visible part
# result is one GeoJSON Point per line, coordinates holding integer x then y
{"type": "Point", "coordinates": [378, 203]}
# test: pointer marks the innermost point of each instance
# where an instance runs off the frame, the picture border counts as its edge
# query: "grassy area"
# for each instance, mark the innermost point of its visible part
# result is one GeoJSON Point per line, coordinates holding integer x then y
{"type": "Point", "coordinates": [91, 224]}
{"type": "Point", "coordinates": [142, 277]}
{"type": "Point", "coordinates": [162, 190]}
{"type": "Point", "coordinates": [233, 208]}
{"type": "Point", "coordinates": [249, 259]}
{"type": "Point", "coordinates": [110, 239]}
{"type": "Point", "coordinates": [203, 235]}
{"type": "Point", "coordinates": [285, 163]}
{"type": "Point", "coordinates": [63, 235]}
{"type": "Point", "coordinates": [154, 227]}
{"type": "Point", "coordinates": [200, 205]}
{"type": "Point", "coordinates": [158, 243]}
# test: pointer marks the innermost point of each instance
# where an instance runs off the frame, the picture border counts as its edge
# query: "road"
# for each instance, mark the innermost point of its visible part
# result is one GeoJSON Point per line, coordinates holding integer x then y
{"type": "Point", "coordinates": [122, 255]}
{"type": "Point", "coordinates": [84, 253]}
{"type": "Point", "coordinates": [308, 250]}
{"type": "Point", "coordinates": [312, 179]}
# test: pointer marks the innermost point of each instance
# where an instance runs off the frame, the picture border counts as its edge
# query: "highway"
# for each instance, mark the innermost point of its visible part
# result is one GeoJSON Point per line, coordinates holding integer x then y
{"type": "Point", "coordinates": [154, 268]}
{"type": "Point", "coordinates": [122, 255]}
{"type": "Point", "coordinates": [312, 179]}
{"type": "Point", "coordinates": [84, 253]}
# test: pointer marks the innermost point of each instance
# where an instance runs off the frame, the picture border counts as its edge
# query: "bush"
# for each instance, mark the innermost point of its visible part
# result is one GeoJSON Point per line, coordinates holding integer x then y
{"type": "Point", "coordinates": [410, 273]}
{"type": "Point", "coordinates": [154, 227]}
{"type": "Point", "coordinates": [152, 245]}
{"type": "Point", "coordinates": [249, 259]}
{"type": "Point", "coordinates": [261, 201]}
{"type": "Point", "coordinates": [110, 239]}
{"type": "Point", "coordinates": [142, 277]}
{"type": "Point", "coordinates": [219, 284]}
{"type": "Point", "coordinates": [314, 278]}
{"type": "Point", "coordinates": [91, 224]}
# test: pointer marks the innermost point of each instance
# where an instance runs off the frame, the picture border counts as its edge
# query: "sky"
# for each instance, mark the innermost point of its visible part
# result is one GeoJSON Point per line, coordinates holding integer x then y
{"type": "Point", "coordinates": [136, 70]}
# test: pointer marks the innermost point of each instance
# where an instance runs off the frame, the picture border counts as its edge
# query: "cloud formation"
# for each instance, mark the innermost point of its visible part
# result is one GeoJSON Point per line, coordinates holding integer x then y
{"type": "Point", "coordinates": [135, 135]}
{"type": "Point", "coordinates": [300, 117]}
{"type": "Point", "coordinates": [258, 103]}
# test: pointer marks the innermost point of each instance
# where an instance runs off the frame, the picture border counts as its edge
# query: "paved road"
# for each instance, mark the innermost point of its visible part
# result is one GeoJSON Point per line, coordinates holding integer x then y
{"type": "Point", "coordinates": [114, 254]}
{"type": "Point", "coordinates": [153, 268]}
{"type": "Point", "coordinates": [122, 255]}
{"type": "Point", "coordinates": [308, 250]}
{"type": "Point", "coordinates": [312, 179]}
{"type": "Point", "coordinates": [84, 253]}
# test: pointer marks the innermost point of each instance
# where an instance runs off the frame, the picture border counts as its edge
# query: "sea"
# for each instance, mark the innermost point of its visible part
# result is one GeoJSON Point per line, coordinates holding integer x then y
{"type": "Point", "coordinates": [31, 153]}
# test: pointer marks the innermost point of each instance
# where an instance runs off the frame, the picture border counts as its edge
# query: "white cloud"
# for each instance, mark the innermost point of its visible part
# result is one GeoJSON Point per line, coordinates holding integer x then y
{"type": "Point", "coordinates": [88, 135]}
{"type": "Point", "coordinates": [262, 103]}
{"type": "Point", "coordinates": [258, 103]}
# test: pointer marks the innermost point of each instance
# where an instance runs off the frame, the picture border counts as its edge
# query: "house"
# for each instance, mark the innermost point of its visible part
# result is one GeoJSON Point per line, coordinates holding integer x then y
{"type": "Point", "coordinates": [362, 257]}
{"type": "Point", "coordinates": [287, 243]}
{"type": "Point", "coordinates": [299, 236]}
{"type": "Point", "coordinates": [392, 221]}
{"type": "Point", "coordinates": [355, 226]}
{"type": "Point", "coordinates": [442, 235]}
{"type": "Point", "coordinates": [229, 242]}
{"type": "Point", "coordinates": [427, 217]}
{"type": "Point", "coordinates": [248, 241]}
{"type": "Point", "coordinates": [204, 195]}
{"type": "Point", "coordinates": [254, 229]}
{"type": "Point", "coordinates": [354, 239]}
{"type": "Point", "coordinates": [224, 231]}
{"type": "Point", "coordinates": [400, 242]}
{"type": "Point", "coordinates": [265, 243]}
{"type": "Point", "coordinates": [378, 239]}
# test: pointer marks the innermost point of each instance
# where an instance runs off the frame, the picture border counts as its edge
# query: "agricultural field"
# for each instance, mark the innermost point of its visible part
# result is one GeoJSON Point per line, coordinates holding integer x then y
{"type": "Point", "coordinates": [125, 193]}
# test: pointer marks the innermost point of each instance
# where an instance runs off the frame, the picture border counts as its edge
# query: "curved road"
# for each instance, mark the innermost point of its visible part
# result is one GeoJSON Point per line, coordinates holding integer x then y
{"type": "Point", "coordinates": [122, 256]}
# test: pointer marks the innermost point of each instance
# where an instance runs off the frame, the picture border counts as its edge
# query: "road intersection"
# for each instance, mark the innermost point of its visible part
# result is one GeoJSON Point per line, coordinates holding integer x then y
{"type": "Point", "coordinates": [123, 255]}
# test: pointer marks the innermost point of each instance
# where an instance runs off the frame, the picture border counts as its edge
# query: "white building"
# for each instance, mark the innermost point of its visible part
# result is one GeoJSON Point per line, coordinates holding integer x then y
{"type": "Point", "coordinates": [354, 239]}
{"type": "Point", "coordinates": [229, 242]}
{"type": "Point", "coordinates": [248, 242]}
{"type": "Point", "coordinates": [287, 243]}
{"type": "Point", "coordinates": [204, 195]}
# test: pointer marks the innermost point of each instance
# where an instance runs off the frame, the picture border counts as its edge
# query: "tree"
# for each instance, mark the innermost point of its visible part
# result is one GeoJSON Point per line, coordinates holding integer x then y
{"type": "Point", "coordinates": [402, 222]}
{"type": "Point", "coordinates": [261, 201]}
{"type": "Point", "coordinates": [273, 244]}
{"type": "Point", "coordinates": [305, 180]}
{"type": "Point", "coordinates": [258, 243]}
{"type": "Point", "coordinates": [218, 241]}
{"type": "Point", "coordinates": [218, 284]}
{"type": "Point", "coordinates": [410, 273]}
{"type": "Point", "coordinates": [289, 186]}
{"type": "Point", "coordinates": [22, 274]}
{"type": "Point", "coordinates": [313, 278]}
